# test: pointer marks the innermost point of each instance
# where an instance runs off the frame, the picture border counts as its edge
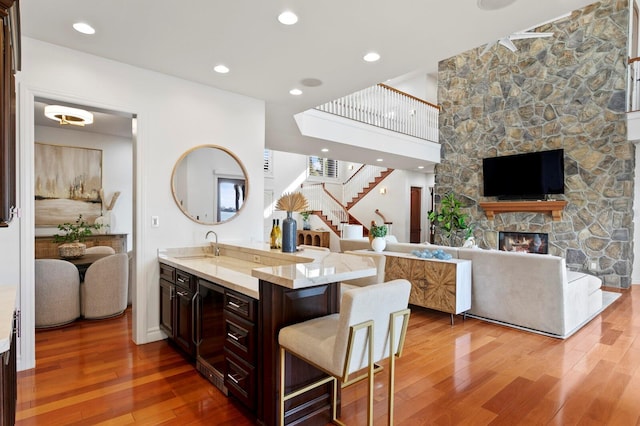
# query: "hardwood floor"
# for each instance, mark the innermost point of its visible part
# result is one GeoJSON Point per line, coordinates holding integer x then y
{"type": "Point", "coordinates": [473, 373]}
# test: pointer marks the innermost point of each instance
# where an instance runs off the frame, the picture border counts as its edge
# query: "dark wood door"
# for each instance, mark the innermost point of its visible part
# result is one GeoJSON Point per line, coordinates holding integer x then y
{"type": "Point", "coordinates": [183, 321]}
{"type": "Point", "coordinates": [167, 292]}
{"type": "Point", "coordinates": [415, 230]}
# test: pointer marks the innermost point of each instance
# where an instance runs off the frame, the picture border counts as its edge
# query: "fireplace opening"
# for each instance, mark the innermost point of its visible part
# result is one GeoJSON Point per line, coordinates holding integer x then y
{"type": "Point", "coordinates": [525, 242]}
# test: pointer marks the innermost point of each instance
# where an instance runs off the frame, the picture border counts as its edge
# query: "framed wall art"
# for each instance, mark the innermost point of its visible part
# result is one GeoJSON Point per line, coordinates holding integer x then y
{"type": "Point", "coordinates": [68, 181]}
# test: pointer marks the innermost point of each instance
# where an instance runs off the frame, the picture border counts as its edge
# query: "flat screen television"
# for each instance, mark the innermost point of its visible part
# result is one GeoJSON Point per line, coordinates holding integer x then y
{"type": "Point", "coordinates": [528, 176]}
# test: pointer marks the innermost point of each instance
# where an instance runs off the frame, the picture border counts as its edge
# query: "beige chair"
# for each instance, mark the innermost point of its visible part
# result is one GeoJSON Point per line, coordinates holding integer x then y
{"type": "Point", "coordinates": [100, 249]}
{"type": "Point", "coordinates": [370, 327]}
{"type": "Point", "coordinates": [103, 293]}
{"type": "Point", "coordinates": [57, 293]}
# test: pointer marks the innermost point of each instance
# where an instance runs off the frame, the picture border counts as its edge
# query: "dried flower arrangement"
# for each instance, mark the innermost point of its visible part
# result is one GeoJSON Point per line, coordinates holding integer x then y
{"type": "Point", "coordinates": [292, 202]}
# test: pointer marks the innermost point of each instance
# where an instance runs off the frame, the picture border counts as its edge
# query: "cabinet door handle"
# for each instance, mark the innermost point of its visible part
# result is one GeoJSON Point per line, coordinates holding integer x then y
{"type": "Point", "coordinates": [183, 294]}
{"type": "Point", "coordinates": [181, 280]}
{"type": "Point", "coordinates": [233, 336]}
{"type": "Point", "coordinates": [172, 292]}
{"type": "Point", "coordinates": [234, 304]}
{"type": "Point", "coordinates": [233, 379]}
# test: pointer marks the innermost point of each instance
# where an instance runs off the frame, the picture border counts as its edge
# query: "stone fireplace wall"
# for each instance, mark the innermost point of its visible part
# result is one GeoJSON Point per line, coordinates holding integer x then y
{"type": "Point", "coordinates": [566, 92]}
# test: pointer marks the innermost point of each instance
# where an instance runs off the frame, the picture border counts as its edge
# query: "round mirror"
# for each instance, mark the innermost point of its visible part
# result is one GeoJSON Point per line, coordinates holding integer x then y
{"type": "Point", "coordinates": [209, 184]}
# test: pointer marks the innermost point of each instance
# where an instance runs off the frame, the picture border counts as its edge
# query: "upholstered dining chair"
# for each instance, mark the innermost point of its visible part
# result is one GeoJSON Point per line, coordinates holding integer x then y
{"type": "Point", "coordinates": [380, 261]}
{"type": "Point", "coordinates": [100, 249]}
{"type": "Point", "coordinates": [103, 293]}
{"type": "Point", "coordinates": [370, 327]}
{"type": "Point", "coordinates": [57, 293]}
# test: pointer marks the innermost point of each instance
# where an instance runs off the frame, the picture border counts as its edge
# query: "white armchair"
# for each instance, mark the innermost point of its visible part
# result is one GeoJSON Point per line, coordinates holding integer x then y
{"type": "Point", "coordinates": [104, 290]}
{"type": "Point", "coordinates": [57, 293]}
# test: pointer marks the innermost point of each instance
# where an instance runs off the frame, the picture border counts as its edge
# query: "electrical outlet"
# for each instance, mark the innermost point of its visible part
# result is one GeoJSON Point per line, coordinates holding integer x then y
{"type": "Point", "coordinates": [593, 266]}
{"type": "Point", "coordinates": [256, 258]}
{"type": "Point", "coordinates": [155, 222]}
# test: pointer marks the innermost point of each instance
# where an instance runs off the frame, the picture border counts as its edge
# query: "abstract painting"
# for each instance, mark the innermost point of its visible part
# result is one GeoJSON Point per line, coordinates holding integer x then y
{"type": "Point", "coordinates": [67, 184]}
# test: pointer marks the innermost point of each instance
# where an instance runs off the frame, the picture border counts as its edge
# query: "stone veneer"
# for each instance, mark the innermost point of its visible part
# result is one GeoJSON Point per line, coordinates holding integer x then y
{"type": "Point", "coordinates": [566, 92]}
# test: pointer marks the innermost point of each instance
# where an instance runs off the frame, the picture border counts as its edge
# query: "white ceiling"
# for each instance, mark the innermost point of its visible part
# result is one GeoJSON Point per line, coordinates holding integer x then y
{"type": "Point", "coordinates": [188, 38]}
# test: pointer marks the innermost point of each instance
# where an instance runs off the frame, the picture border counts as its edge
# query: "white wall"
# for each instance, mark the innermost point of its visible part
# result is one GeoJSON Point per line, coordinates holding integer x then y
{"type": "Point", "coordinates": [117, 172]}
{"type": "Point", "coordinates": [173, 116]}
{"type": "Point", "coordinates": [395, 204]}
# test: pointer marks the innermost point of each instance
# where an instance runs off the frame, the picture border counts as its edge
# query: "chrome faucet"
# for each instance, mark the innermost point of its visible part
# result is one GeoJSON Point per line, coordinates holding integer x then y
{"type": "Point", "coordinates": [217, 249]}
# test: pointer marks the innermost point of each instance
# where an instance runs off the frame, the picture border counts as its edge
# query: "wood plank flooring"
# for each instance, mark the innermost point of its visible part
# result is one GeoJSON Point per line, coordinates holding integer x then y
{"type": "Point", "coordinates": [472, 373]}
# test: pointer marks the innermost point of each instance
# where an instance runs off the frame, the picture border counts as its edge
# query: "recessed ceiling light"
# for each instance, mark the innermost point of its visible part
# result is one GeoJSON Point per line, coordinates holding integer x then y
{"type": "Point", "coordinates": [325, 150]}
{"type": "Point", "coordinates": [84, 28]}
{"type": "Point", "coordinates": [494, 4]}
{"type": "Point", "coordinates": [371, 57]}
{"type": "Point", "coordinates": [295, 92]}
{"type": "Point", "coordinates": [287, 18]}
{"type": "Point", "coordinates": [222, 69]}
{"type": "Point", "coordinates": [421, 167]}
{"type": "Point", "coordinates": [379, 159]}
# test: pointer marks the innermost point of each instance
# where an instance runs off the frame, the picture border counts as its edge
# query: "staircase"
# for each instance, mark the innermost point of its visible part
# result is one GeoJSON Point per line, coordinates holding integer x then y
{"type": "Point", "coordinates": [331, 210]}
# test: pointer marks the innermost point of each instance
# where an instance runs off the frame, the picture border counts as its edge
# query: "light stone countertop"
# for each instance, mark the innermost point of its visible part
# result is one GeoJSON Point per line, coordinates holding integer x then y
{"type": "Point", "coordinates": [241, 265]}
{"type": "Point", "coordinates": [7, 307]}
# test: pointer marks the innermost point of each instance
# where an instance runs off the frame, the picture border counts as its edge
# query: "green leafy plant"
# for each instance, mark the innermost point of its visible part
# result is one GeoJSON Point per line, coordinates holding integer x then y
{"type": "Point", "coordinates": [378, 230]}
{"type": "Point", "coordinates": [77, 231]}
{"type": "Point", "coordinates": [450, 218]}
{"type": "Point", "coordinates": [305, 215]}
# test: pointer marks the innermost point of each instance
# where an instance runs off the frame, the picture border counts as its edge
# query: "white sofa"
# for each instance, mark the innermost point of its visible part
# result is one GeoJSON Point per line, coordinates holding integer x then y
{"type": "Point", "coordinates": [531, 291]}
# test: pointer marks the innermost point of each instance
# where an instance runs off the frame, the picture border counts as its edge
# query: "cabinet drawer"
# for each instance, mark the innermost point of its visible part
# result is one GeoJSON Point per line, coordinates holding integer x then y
{"type": "Point", "coordinates": [240, 337]}
{"type": "Point", "coordinates": [168, 273]}
{"type": "Point", "coordinates": [242, 305]}
{"type": "Point", "coordinates": [240, 381]}
{"type": "Point", "coordinates": [184, 280]}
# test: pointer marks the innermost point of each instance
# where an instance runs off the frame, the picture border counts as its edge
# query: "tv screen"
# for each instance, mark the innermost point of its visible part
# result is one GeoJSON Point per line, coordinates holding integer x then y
{"type": "Point", "coordinates": [524, 176]}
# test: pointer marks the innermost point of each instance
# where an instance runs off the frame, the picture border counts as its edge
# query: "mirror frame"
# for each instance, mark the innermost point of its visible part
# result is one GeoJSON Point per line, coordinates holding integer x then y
{"type": "Point", "coordinates": [173, 185]}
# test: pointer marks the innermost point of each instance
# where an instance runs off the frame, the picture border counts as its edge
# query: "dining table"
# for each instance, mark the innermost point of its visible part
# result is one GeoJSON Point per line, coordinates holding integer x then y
{"type": "Point", "coordinates": [83, 262]}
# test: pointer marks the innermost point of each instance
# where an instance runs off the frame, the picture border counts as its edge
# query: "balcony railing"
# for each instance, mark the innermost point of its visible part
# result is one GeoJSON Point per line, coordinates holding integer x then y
{"type": "Point", "coordinates": [389, 108]}
{"type": "Point", "coordinates": [634, 87]}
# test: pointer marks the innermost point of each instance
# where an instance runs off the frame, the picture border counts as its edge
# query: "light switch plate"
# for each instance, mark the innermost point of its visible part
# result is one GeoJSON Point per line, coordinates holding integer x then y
{"type": "Point", "coordinates": [155, 221]}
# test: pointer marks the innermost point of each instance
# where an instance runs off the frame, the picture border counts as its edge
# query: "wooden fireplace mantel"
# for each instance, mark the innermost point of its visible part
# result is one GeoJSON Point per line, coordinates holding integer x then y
{"type": "Point", "coordinates": [553, 207]}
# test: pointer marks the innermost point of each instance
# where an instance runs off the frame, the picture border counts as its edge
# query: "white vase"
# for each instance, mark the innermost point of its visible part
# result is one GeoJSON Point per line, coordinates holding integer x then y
{"type": "Point", "coordinates": [378, 244]}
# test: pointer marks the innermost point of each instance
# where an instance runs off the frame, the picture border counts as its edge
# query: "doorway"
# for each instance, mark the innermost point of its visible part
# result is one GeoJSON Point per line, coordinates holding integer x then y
{"type": "Point", "coordinates": [113, 134]}
{"type": "Point", "coordinates": [415, 221]}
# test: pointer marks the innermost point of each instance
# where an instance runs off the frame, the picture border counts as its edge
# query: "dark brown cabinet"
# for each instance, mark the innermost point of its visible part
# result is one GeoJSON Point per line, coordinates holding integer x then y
{"type": "Point", "coordinates": [9, 64]}
{"type": "Point", "coordinates": [176, 308]}
{"type": "Point", "coordinates": [239, 315]}
{"type": "Point", "coordinates": [8, 383]}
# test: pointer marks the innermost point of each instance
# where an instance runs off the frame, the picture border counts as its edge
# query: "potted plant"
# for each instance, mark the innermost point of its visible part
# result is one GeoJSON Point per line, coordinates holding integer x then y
{"type": "Point", "coordinates": [306, 224]}
{"type": "Point", "coordinates": [378, 232]}
{"type": "Point", "coordinates": [72, 241]}
{"type": "Point", "coordinates": [451, 219]}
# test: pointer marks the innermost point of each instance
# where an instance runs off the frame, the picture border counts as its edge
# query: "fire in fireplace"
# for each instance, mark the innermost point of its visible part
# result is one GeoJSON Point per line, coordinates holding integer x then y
{"type": "Point", "coordinates": [526, 242]}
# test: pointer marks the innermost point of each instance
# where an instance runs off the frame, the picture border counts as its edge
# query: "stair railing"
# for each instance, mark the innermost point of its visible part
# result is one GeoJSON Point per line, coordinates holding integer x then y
{"type": "Point", "coordinates": [389, 108]}
{"type": "Point", "coordinates": [359, 180]}
{"type": "Point", "coordinates": [321, 200]}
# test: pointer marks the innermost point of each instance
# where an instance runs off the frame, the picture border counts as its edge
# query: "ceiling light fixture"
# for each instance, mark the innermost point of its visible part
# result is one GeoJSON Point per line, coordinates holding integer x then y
{"type": "Point", "coordinates": [295, 92]}
{"type": "Point", "coordinates": [222, 69]}
{"type": "Point", "coordinates": [66, 115]}
{"type": "Point", "coordinates": [287, 18]}
{"type": "Point", "coordinates": [379, 159]}
{"type": "Point", "coordinates": [494, 4]}
{"type": "Point", "coordinates": [84, 28]}
{"type": "Point", "coordinates": [371, 57]}
{"type": "Point", "coordinates": [325, 150]}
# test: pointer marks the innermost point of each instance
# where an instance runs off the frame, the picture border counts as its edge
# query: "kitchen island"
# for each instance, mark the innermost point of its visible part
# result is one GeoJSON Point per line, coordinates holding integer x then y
{"type": "Point", "coordinates": [262, 290]}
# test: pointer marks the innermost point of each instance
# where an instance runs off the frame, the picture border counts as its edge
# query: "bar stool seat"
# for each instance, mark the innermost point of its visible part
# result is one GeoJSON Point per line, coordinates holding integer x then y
{"type": "Point", "coordinates": [370, 327]}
